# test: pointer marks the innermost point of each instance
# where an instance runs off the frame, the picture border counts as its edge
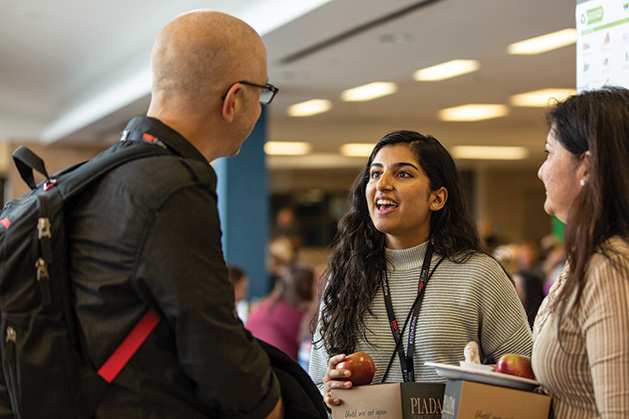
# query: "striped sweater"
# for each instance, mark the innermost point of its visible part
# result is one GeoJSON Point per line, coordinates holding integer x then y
{"type": "Point", "coordinates": [474, 301]}
{"type": "Point", "coordinates": [587, 373]}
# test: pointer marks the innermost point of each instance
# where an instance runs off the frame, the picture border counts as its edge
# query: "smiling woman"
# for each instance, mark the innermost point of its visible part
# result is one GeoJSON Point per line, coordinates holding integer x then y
{"type": "Point", "coordinates": [399, 197]}
{"type": "Point", "coordinates": [406, 281]}
{"type": "Point", "coordinates": [581, 349]}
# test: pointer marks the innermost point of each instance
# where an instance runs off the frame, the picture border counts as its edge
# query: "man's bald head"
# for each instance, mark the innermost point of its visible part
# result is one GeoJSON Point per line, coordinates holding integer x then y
{"type": "Point", "coordinates": [200, 53]}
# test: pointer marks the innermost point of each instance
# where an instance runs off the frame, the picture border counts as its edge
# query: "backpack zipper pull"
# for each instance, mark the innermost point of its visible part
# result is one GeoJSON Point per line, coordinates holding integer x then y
{"type": "Point", "coordinates": [43, 228]}
{"type": "Point", "coordinates": [10, 339]}
{"type": "Point", "coordinates": [44, 235]}
{"type": "Point", "coordinates": [43, 279]}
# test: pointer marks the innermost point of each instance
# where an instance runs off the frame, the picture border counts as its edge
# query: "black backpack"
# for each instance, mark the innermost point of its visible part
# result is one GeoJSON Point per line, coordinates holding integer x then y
{"type": "Point", "coordinates": [44, 372]}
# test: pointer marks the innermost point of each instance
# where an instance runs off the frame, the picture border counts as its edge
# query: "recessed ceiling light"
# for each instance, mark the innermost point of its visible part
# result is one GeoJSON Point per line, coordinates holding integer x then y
{"type": "Point", "coordinates": [369, 92]}
{"type": "Point", "coordinates": [357, 149]}
{"type": "Point", "coordinates": [286, 148]}
{"type": "Point", "coordinates": [540, 98]}
{"type": "Point", "coordinates": [473, 112]}
{"type": "Point", "coordinates": [489, 153]}
{"type": "Point", "coordinates": [544, 43]}
{"type": "Point", "coordinates": [310, 107]}
{"type": "Point", "coordinates": [446, 70]}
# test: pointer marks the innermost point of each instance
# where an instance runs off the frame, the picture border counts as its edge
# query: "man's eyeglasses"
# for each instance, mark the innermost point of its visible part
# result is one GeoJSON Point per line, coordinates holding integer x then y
{"type": "Point", "coordinates": [266, 95]}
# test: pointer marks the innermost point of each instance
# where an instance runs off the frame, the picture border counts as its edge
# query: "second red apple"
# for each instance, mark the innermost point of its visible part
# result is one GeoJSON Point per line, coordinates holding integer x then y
{"type": "Point", "coordinates": [517, 365]}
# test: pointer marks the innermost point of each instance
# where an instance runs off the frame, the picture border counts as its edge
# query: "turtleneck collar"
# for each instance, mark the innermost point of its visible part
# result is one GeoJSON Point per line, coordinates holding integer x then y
{"type": "Point", "coordinates": [411, 258]}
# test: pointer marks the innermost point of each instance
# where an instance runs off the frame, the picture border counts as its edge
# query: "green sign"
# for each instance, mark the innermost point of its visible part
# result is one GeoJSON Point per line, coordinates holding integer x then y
{"type": "Point", "coordinates": [595, 15]}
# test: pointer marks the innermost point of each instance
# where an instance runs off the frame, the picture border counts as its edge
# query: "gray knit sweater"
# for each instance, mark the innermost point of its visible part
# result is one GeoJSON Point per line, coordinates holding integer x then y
{"type": "Point", "coordinates": [462, 302]}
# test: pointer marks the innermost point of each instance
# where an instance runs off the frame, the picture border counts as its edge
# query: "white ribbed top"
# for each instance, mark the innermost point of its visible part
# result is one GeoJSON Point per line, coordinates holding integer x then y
{"type": "Point", "coordinates": [463, 302]}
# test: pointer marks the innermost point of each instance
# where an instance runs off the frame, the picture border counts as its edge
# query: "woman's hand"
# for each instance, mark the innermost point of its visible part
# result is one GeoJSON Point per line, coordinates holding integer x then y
{"type": "Point", "coordinates": [333, 379]}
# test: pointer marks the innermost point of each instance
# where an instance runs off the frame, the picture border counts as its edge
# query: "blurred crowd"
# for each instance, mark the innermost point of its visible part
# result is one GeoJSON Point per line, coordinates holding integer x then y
{"type": "Point", "coordinates": [283, 317]}
{"type": "Point", "coordinates": [533, 268]}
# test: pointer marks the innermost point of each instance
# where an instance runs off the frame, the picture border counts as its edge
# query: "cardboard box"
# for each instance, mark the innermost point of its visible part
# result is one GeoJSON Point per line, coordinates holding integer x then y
{"type": "Point", "coordinates": [391, 400]}
{"type": "Point", "coordinates": [467, 399]}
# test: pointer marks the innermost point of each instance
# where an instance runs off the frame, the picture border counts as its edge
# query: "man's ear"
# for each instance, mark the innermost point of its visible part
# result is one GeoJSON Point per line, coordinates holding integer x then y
{"type": "Point", "coordinates": [438, 199]}
{"type": "Point", "coordinates": [230, 103]}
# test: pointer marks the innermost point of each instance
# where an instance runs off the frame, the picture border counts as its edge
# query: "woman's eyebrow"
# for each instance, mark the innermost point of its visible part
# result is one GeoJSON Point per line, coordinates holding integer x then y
{"type": "Point", "coordinates": [402, 163]}
{"type": "Point", "coordinates": [396, 165]}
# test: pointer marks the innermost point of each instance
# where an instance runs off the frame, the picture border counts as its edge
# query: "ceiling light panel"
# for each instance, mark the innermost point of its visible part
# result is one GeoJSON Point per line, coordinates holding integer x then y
{"type": "Point", "coordinates": [446, 70]}
{"type": "Point", "coordinates": [310, 107]}
{"type": "Point", "coordinates": [540, 98]}
{"type": "Point", "coordinates": [544, 43]}
{"type": "Point", "coordinates": [369, 91]}
{"type": "Point", "coordinates": [357, 149]}
{"type": "Point", "coordinates": [286, 148]}
{"type": "Point", "coordinates": [473, 112]}
{"type": "Point", "coordinates": [489, 153]}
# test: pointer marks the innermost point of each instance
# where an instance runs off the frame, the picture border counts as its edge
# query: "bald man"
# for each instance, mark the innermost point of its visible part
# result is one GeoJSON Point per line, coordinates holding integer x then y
{"type": "Point", "coordinates": [148, 236]}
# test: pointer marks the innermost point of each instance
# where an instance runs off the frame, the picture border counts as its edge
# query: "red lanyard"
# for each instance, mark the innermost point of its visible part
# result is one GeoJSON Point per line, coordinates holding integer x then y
{"type": "Point", "coordinates": [406, 360]}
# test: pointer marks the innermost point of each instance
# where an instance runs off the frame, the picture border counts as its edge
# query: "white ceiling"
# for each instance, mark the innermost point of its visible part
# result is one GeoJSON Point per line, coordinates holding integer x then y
{"type": "Point", "coordinates": [75, 71]}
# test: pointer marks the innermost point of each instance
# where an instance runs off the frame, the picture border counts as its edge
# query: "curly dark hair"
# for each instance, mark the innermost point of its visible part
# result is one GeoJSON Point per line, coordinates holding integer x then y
{"type": "Point", "coordinates": [357, 262]}
{"type": "Point", "coordinates": [596, 122]}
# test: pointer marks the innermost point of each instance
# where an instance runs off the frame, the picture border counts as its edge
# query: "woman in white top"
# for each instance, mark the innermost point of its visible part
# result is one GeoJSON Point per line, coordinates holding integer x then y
{"type": "Point", "coordinates": [406, 231]}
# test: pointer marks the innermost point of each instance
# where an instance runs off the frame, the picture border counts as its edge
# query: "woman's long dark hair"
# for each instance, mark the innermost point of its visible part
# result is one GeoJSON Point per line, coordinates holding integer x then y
{"type": "Point", "coordinates": [357, 262]}
{"type": "Point", "coordinates": [596, 121]}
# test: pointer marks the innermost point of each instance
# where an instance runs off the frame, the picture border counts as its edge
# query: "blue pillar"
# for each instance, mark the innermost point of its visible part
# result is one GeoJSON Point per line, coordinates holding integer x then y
{"type": "Point", "coordinates": [243, 205]}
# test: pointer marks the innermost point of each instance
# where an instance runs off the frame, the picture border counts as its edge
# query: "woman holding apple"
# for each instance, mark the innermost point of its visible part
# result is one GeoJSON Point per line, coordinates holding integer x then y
{"type": "Point", "coordinates": [581, 332]}
{"type": "Point", "coordinates": [407, 280]}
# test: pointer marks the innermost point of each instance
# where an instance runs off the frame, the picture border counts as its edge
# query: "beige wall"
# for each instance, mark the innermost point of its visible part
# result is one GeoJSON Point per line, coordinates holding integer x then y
{"type": "Point", "coordinates": [286, 180]}
{"type": "Point", "coordinates": [513, 199]}
{"type": "Point", "coordinates": [56, 157]}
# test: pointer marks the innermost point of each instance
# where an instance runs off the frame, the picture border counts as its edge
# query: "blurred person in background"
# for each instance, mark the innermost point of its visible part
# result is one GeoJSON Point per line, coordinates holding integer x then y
{"type": "Point", "coordinates": [528, 257]}
{"type": "Point", "coordinates": [529, 280]}
{"type": "Point", "coordinates": [552, 260]}
{"type": "Point", "coordinates": [280, 252]}
{"type": "Point", "coordinates": [286, 225]}
{"type": "Point", "coordinates": [308, 321]}
{"type": "Point", "coordinates": [488, 237]}
{"type": "Point", "coordinates": [277, 318]}
{"type": "Point", "coordinates": [527, 284]}
{"type": "Point", "coordinates": [581, 333]}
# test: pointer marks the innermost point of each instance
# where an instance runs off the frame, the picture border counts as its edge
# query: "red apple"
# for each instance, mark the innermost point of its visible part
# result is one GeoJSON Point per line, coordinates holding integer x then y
{"type": "Point", "coordinates": [361, 366]}
{"type": "Point", "coordinates": [517, 365]}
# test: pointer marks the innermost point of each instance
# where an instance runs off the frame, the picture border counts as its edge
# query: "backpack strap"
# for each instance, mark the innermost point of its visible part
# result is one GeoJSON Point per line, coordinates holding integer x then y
{"type": "Point", "coordinates": [129, 346]}
{"type": "Point", "coordinates": [26, 162]}
{"type": "Point", "coordinates": [117, 155]}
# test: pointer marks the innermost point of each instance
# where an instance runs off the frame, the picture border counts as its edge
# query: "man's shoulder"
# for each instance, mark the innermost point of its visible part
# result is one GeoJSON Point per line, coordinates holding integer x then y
{"type": "Point", "coordinates": [163, 168]}
{"type": "Point", "coordinates": [148, 181]}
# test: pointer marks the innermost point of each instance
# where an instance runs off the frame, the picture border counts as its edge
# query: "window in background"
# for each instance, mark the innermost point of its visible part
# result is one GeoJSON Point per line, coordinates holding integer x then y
{"type": "Point", "coordinates": [316, 214]}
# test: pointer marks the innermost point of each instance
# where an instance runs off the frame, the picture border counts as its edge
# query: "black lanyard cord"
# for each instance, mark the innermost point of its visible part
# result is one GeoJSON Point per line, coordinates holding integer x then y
{"type": "Point", "coordinates": [406, 360]}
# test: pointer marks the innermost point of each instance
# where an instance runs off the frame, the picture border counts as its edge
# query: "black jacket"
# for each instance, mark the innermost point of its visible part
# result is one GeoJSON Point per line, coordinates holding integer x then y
{"type": "Point", "coordinates": [148, 235]}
